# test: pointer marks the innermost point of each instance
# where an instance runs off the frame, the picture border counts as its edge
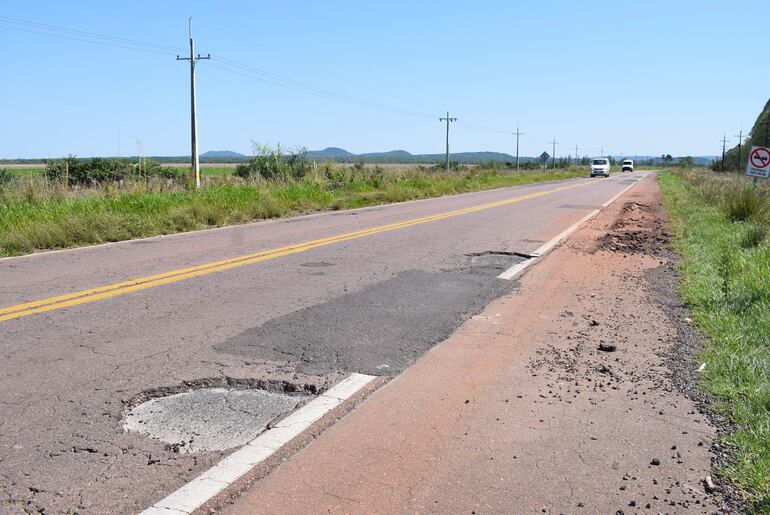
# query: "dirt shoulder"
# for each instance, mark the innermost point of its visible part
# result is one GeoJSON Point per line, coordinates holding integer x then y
{"type": "Point", "coordinates": [569, 395]}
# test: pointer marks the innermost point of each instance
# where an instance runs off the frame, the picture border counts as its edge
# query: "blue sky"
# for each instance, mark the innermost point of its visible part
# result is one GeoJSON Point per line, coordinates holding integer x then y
{"type": "Point", "coordinates": [639, 77]}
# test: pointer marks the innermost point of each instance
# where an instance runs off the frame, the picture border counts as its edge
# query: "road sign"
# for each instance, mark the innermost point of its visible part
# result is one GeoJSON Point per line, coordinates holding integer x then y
{"type": "Point", "coordinates": [544, 157]}
{"type": "Point", "coordinates": [759, 162]}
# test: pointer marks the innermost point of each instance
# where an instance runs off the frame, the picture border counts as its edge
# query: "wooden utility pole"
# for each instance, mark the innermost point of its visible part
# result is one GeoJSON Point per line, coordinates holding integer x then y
{"type": "Point", "coordinates": [517, 133]}
{"type": "Point", "coordinates": [740, 143]}
{"type": "Point", "coordinates": [447, 119]}
{"type": "Point", "coordinates": [553, 157]}
{"type": "Point", "coordinates": [194, 161]}
{"type": "Point", "coordinates": [724, 142]}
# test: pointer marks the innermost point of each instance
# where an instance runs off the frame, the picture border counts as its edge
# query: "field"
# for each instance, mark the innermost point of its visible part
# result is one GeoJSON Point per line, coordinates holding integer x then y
{"type": "Point", "coordinates": [38, 214]}
{"type": "Point", "coordinates": [721, 226]}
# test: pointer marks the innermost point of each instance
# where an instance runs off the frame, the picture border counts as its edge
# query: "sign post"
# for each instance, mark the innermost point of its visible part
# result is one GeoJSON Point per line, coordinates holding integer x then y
{"type": "Point", "coordinates": [758, 164]}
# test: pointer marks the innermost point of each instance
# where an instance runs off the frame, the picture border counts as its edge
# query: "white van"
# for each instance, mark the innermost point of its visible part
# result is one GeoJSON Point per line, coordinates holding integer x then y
{"type": "Point", "coordinates": [600, 166]}
{"type": "Point", "coordinates": [627, 166]}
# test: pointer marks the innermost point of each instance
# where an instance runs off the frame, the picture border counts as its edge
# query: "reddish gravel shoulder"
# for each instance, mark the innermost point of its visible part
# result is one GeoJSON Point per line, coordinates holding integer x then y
{"type": "Point", "coordinates": [520, 411]}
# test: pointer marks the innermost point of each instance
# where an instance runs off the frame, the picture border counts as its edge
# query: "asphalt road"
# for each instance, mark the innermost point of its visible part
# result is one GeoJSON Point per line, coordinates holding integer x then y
{"type": "Point", "coordinates": [291, 305]}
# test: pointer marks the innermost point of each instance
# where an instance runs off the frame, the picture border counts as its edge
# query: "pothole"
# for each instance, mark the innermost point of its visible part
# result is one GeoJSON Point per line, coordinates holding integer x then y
{"type": "Point", "coordinates": [494, 262]}
{"type": "Point", "coordinates": [211, 419]}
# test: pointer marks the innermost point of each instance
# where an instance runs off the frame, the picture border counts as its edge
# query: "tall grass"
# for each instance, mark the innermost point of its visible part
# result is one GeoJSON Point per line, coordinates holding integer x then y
{"type": "Point", "coordinates": [38, 214]}
{"type": "Point", "coordinates": [721, 225]}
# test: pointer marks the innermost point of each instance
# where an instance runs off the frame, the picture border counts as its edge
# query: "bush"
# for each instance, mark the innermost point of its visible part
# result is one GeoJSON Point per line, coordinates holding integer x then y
{"type": "Point", "coordinates": [754, 235]}
{"type": "Point", "coordinates": [5, 176]}
{"type": "Point", "coordinates": [743, 203]}
{"type": "Point", "coordinates": [93, 171]}
{"type": "Point", "coordinates": [272, 164]}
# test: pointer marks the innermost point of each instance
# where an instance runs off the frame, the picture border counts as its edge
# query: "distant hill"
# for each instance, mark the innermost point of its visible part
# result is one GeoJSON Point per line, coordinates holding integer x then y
{"type": "Point", "coordinates": [340, 155]}
{"type": "Point", "coordinates": [217, 154]}
{"type": "Point", "coordinates": [329, 153]}
{"type": "Point", "coordinates": [404, 157]}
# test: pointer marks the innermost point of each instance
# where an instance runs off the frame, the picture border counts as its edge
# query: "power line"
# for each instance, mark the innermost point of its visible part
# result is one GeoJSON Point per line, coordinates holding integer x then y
{"type": "Point", "coordinates": [81, 35]}
{"type": "Point", "coordinates": [238, 68]}
{"type": "Point", "coordinates": [228, 65]}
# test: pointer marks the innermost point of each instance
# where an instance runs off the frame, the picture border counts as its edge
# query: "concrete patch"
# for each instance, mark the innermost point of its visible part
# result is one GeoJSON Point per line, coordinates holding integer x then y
{"type": "Point", "coordinates": [213, 419]}
{"type": "Point", "coordinates": [382, 329]}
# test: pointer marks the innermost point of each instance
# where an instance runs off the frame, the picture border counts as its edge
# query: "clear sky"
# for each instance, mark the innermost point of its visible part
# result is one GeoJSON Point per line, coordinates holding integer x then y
{"type": "Point", "coordinates": [642, 77]}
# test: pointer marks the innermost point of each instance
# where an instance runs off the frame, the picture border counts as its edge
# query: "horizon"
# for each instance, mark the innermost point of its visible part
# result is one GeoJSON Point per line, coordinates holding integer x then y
{"type": "Point", "coordinates": [333, 78]}
{"type": "Point", "coordinates": [238, 155]}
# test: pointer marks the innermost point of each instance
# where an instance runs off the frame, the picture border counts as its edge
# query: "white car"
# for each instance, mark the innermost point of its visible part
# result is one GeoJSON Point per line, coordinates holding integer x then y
{"type": "Point", "coordinates": [600, 166]}
{"type": "Point", "coordinates": [627, 166]}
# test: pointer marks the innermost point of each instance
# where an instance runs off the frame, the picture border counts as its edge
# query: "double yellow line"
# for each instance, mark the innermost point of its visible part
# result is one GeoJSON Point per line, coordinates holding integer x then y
{"type": "Point", "coordinates": [151, 281]}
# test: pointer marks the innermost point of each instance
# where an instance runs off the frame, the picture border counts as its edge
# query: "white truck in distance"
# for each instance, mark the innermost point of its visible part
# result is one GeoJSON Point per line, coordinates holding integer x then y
{"type": "Point", "coordinates": [600, 166]}
{"type": "Point", "coordinates": [627, 166]}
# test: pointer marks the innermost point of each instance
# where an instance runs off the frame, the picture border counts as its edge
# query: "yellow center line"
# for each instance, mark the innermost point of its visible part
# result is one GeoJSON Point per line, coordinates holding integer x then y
{"type": "Point", "coordinates": [151, 281]}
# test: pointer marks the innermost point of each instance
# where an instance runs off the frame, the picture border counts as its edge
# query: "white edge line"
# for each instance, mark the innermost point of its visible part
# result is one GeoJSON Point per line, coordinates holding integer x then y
{"type": "Point", "coordinates": [197, 492]}
{"type": "Point", "coordinates": [544, 249]}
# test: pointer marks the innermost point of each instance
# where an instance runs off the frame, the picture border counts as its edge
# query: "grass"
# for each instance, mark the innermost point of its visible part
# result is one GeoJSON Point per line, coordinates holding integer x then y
{"type": "Point", "coordinates": [721, 225]}
{"type": "Point", "coordinates": [206, 171]}
{"type": "Point", "coordinates": [37, 215]}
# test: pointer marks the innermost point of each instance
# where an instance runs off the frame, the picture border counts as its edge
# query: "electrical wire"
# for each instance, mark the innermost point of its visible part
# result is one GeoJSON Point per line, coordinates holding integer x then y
{"type": "Point", "coordinates": [85, 34]}
{"type": "Point", "coordinates": [227, 65]}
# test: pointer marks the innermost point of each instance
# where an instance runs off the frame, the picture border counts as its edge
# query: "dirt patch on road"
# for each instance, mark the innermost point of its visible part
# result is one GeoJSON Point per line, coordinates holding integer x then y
{"type": "Point", "coordinates": [625, 349]}
{"type": "Point", "coordinates": [641, 228]}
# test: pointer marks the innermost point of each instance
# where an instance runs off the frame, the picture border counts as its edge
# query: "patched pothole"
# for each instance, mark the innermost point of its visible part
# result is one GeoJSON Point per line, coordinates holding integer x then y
{"type": "Point", "coordinates": [211, 419]}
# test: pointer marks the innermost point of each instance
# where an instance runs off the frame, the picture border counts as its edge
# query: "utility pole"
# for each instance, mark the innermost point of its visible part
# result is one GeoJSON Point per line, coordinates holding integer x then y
{"type": "Point", "coordinates": [448, 120]}
{"type": "Point", "coordinates": [194, 161]}
{"type": "Point", "coordinates": [724, 142]}
{"type": "Point", "coordinates": [517, 133]}
{"type": "Point", "coordinates": [740, 143]}
{"type": "Point", "coordinates": [553, 157]}
{"type": "Point", "coordinates": [576, 155]}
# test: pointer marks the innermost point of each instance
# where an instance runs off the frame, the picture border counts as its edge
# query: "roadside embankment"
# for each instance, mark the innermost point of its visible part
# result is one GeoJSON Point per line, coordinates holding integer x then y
{"type": "Point", "coordinates": [38, 215]}
{"type": "Point", "coordinates": [721, 225]}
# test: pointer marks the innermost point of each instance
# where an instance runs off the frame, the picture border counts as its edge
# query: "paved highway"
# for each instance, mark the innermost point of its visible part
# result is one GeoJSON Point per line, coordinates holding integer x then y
{"type": "Point", "coordinates": [296, 303]}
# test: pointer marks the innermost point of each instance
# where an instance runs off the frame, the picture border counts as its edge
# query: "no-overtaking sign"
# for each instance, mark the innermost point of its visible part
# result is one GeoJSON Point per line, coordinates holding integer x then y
{"type": "Point", "coordinates": [759, 162]}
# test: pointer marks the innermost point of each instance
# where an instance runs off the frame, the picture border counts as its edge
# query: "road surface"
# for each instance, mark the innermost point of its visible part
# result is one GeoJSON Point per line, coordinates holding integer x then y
{"type": "Point", "coordinates": [293, 304]}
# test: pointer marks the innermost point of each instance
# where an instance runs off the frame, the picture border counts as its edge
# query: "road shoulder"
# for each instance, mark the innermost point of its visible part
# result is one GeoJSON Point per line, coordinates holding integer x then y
{"type": "Point", "coordinates": [520, 410]}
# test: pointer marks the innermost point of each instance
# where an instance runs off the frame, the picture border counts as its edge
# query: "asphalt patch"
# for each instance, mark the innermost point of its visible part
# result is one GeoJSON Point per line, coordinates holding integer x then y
{"type": "Point", "coordinates": [382, 329]}
{"type": "Point", "coordinates": [213, 419]}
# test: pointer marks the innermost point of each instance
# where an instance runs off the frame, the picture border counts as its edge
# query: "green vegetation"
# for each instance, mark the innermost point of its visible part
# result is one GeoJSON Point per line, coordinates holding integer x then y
{"type": "Point", "coordinates": [721, 223]}
{"type": "Point", "coordinates": [39, 213]}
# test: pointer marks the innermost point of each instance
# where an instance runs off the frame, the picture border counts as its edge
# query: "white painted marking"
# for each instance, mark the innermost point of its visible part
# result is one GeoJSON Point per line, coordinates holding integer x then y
{"type": "Point", "coordinates": [549, 245]}
{"type": "Point", "coordinates": [544, 249]}
{"type": "Point", "coordinates": [163, 511]}
{"type": "Point", "coordinates": [516, 269]}
{"type": "Point", "coordinates": [197, 492]}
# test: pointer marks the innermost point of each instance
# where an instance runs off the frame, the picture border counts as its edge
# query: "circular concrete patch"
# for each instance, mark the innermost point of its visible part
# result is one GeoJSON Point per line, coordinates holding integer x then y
{"type": "Point", "coordinates": [212, 419]}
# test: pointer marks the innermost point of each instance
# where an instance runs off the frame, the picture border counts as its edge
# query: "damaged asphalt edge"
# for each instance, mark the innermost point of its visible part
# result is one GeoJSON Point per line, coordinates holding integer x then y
{"type": "Point", "coordinates": [231, 383]}
{"type": "Point", "coordinates": [197, 492]}
{"type": "Point", "coordinates": [548, 246]}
